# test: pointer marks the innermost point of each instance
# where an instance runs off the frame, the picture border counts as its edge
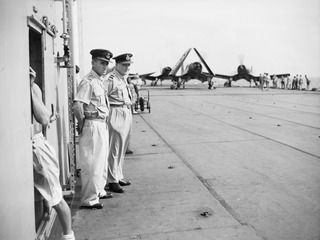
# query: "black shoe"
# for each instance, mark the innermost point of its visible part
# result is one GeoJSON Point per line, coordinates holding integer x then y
{"type": "Point", "coordinates": [129, 151]}
{"type": "Point", "coordinates": [124, 183]}
{"type": "Point", "coordinates": [115, 187]}
{"type": "Point", "coordinates": [94, 206]}
{"type": "Point", "coordinates": [107, 196]}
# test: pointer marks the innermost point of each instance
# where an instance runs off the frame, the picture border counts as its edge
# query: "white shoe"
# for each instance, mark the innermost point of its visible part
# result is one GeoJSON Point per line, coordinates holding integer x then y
{"type": "Point", "coordinates": [68, 237]}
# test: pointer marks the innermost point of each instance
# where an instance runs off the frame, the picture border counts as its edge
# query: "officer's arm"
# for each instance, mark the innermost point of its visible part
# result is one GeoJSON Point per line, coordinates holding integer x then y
{"type": "Point", "coordinates": [83, 96]}
{"type": "Point", "coordinates": [41, 113]}
{"type": "Point", "coordinates": [78, 110]}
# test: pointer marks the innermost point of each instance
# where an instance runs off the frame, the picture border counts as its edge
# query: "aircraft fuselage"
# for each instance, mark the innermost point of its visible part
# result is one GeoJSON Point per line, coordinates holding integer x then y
{"type": "Point", "coordinates": [193, 69]}
{"type": "Point", "coordinates": [242, 70]}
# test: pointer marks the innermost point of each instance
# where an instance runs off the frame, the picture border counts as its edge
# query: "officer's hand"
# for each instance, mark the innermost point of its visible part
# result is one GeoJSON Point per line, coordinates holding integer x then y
{"type": "Point", "coordinates": [79, 127]}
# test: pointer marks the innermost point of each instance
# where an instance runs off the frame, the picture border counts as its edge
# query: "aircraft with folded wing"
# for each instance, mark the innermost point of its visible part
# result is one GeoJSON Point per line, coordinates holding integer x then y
{"type": "Point", "coordinates": [244, 73]}
{"type": "Point", "coordinates": [192, 71]}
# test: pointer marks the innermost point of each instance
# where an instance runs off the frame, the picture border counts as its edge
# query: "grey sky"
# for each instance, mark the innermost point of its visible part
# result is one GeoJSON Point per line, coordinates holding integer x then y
{"type": "Point", "coordinates": [272, 36]}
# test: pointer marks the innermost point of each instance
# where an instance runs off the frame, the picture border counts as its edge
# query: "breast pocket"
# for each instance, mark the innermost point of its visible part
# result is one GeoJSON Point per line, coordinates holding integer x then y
{"type": "Point", "coordinates": [120, 92]}
{"type": "Point", "coordinates": [98, 91]}
{"type": "Point", "coordinates": [99, 94]}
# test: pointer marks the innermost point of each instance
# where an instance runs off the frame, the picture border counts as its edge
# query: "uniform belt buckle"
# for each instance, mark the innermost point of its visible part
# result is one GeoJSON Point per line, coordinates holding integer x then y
{"type": "Point", "coordinates": [91, 114]}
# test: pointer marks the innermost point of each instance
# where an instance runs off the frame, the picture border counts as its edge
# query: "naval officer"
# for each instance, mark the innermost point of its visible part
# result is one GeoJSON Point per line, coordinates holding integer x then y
{"type": "Point", "coordinates": [119, 121]}
{"type": "Point", "coordinates": [91, 108]}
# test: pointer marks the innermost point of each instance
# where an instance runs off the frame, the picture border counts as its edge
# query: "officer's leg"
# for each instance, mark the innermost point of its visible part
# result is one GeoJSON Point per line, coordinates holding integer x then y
{"type": "Point", "coordinates": [127, 126]}
{"type": "Point", "coordinates": [101, 150]}
{"type": "Point", "coordinates": [105, 171]}
{"type": "Point", "coordinates": [127, 144]}
{"type": "Point", "coordinates": [90, 179]}
{"type": "Point", "coordinates": [114, 124]}
{"type": "Point", "coordinates": [113, 157]}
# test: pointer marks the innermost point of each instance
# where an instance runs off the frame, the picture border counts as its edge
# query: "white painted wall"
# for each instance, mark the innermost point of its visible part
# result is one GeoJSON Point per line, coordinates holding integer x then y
{"type": "Point", "coordinates": [16, 166]}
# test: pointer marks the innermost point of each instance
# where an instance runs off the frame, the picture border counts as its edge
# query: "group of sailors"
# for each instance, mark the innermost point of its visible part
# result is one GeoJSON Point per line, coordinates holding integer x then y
{"type": "Point", "coordinates": [284, 82]}
{"type": "Point", "coordinates": [102, 107]}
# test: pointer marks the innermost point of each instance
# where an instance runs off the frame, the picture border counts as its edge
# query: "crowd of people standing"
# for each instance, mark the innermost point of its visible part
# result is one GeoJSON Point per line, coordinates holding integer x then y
{"type": "Point", "coordinates": [297, 82]}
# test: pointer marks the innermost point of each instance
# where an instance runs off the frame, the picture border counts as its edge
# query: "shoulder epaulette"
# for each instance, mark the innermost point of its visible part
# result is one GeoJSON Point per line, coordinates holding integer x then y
{"type": "Point", "coordinates": [90, 76]}
{"type": "Point", "coordinates": [111, 76]}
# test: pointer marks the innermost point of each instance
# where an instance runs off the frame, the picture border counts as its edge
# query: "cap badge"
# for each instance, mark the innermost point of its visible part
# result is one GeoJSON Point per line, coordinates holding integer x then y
{"type": "Point", "coordinates": [127, 57]}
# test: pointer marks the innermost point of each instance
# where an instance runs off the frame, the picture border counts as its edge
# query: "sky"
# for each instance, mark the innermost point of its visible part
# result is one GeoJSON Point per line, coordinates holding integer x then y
{"type": "Point", "coordinates": [274, 36]}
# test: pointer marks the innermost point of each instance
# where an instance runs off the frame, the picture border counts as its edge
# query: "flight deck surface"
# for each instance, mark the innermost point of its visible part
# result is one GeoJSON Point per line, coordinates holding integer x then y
{"type": "Point", "coordinates": [230, 163]}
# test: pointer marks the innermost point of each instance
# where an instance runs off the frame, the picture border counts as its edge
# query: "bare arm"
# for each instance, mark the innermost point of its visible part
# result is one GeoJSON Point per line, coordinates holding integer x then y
{"type": "Point", "coordinates": [41, 113]}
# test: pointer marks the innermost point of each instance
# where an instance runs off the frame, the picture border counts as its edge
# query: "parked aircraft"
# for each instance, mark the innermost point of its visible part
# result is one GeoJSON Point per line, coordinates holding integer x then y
{"type": "Point", "coordinates": [142, 77]}
{"type": "Point", "coordinates": [162, 76]}
{"type": "Point", "coordinates": [192, 71]}
{"type": "Point", "coordinates": [244, 73]}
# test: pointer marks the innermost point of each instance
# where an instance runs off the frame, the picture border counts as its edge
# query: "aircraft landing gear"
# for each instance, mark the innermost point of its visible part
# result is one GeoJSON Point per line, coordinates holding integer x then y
{"type": "Point", "coordinates": [210, 84]}
{"type": "Point", "coordinates": [227, 84]}
{"type": "Point", "coordinates": [174, 85]}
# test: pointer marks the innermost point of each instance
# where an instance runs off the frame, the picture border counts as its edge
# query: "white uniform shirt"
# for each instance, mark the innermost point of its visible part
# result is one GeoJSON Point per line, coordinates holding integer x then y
{"type": "Point", "coordinates": [117, 89]}
{"type": "Point", "coordinates": [91, 92]}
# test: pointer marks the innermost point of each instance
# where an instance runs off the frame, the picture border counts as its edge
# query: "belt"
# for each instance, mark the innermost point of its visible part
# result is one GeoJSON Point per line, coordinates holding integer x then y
{"type": "Point", "coordinates": [96, 119]}
{"type": "Point", "coordinates": [120, 106]}
{"type": "Point", "coordinates": [93, 114]}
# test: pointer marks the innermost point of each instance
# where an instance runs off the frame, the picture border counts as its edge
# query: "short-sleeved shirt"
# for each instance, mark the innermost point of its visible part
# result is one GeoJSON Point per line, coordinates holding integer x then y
{"type": "Point", "coordinates": [117, 89]}
{"type": "Point", "coordinates": [91, 92]}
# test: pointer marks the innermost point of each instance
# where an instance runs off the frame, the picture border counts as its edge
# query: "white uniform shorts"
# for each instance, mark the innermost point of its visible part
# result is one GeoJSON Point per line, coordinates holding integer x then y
{"type": "Point", "coordinates": [46, 170]}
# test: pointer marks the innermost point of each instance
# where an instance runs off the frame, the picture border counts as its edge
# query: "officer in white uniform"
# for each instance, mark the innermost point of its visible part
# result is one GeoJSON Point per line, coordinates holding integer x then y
{"type": "Point", "coordinates": [91, 108]}
{"type": "Point", "coordinates": [120, 120]}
